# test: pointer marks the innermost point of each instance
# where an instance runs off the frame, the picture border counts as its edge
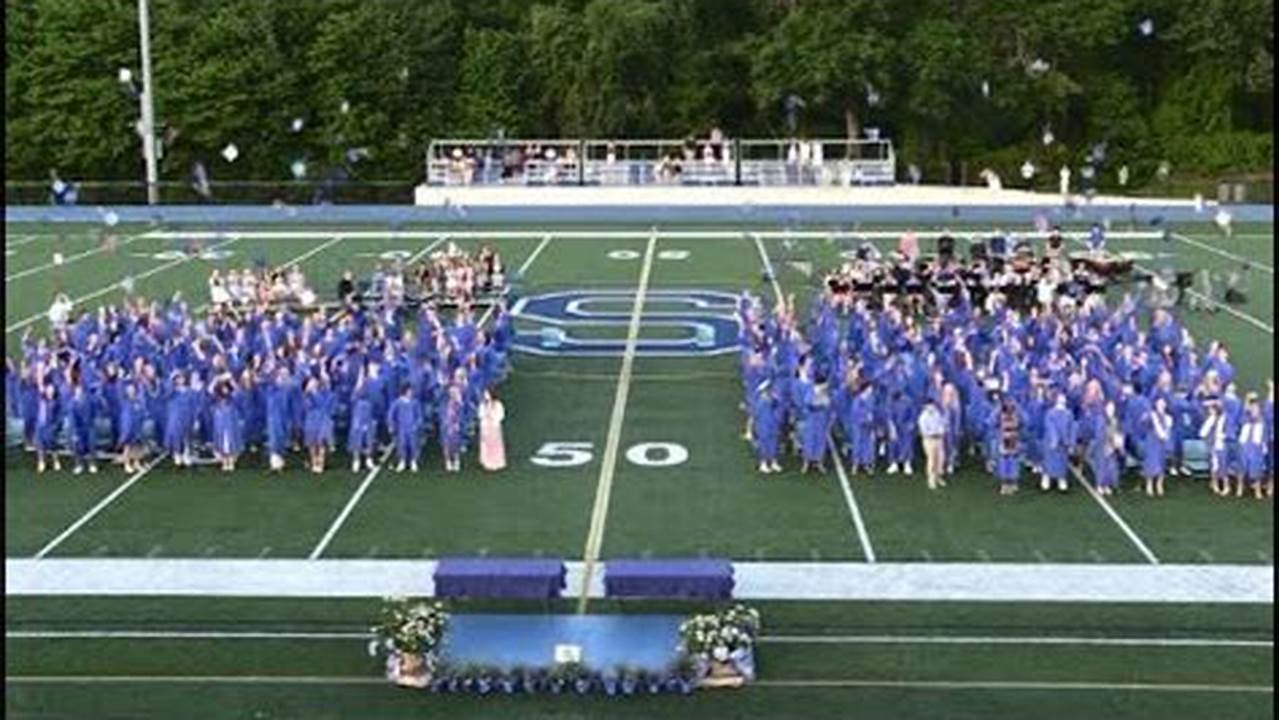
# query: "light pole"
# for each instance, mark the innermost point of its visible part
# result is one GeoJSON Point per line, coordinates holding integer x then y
{"type": "Point", "coordinates": [148, 108]}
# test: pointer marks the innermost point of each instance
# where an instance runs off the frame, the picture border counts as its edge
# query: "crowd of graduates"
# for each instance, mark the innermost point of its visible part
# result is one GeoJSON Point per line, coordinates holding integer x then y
{"type": "Point", "coordinates": [1045, 391]}
{"type": "Point", "coordinates": [147, 378]}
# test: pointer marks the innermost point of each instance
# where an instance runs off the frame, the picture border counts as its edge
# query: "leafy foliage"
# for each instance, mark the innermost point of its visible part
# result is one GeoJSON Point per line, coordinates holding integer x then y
{"type": "Point", "coordinates": [950, 81]}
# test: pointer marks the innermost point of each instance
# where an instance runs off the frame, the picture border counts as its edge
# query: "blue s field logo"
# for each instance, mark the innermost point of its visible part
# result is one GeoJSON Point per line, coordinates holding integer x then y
{"type": "Point", "coordinates": [593, 323]}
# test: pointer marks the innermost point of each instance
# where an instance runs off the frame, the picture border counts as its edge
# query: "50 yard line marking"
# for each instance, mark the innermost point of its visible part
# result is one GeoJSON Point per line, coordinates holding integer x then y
{"type": "Point", "coordinates": [599, 513]}
{"type": "Point", "coordinates": [850, 499]}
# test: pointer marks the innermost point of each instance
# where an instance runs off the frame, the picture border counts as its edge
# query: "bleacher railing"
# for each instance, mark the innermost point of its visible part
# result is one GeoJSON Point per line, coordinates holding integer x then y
{"type": "Point", "coordinates": [661, 162]}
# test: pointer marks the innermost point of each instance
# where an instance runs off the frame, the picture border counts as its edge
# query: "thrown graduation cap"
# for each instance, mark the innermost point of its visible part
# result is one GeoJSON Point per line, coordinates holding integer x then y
{"type": "Point", "coordinates": [1123, 175]}
{"type": "Point", "coordinates": [125, 75]}
{"type": "Point", "coordinates": [1223, 219]}
{"type": "Point", "coordinates": [1028, 170]}
{"type": "Point", "coordinates": [1146, 27]}
{"type": "Point", "coordinates": [354, 155]}
{"type": "Point", "coordinates": [1165, 169]}
{"type": "Point", "coordinates": [200, 181]}
{"type": "Point", "coordinates": [404, 73]}
{"type": "Point", "coordinates": [111, 218]}
{"type": "Point", "coordinates": [1040, 65]}
{"type": "Point", "coordinates": [1157, 220]}
{"type": "Point", "coordinates": [985, 88]}
{"type": "Point", "coordinates": [872, 95]}
{"type": "Point", "coordinates": [298, 168]}
{"type": "Point", "coordinates": [297, 124]}
{"type": "Point", "coordinates": [345, 107]}
{"type": "Point", "coordinates": [230, 152]}
{"type": "Point", "coordinates": [915, 174]}
{"type": "Point", "coordinates": [127, 284]}
{"type": "Point", "coordinates": [1087, 172]}
{"type": "Point", "coordinates": [1048, 137]}
{"type": "Point", "coordinates": [1098, 153]}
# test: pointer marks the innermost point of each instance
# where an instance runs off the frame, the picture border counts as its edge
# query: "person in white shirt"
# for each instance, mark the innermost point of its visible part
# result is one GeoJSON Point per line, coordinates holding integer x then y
{"type": "Point", "coordinates": [932, 429]}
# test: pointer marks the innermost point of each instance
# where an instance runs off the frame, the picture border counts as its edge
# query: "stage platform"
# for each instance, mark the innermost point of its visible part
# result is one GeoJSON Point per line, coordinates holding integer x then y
{"type": "Point", "coordinates": [606, 641]}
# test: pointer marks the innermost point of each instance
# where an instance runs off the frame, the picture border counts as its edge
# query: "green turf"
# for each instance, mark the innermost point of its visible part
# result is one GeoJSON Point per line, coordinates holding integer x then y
{"type": "Point", "coordinates": [713, 503]}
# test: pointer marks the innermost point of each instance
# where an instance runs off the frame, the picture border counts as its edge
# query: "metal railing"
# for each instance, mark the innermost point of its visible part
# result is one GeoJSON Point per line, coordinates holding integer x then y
{"type": "Point", "coordinates": [663, 161]}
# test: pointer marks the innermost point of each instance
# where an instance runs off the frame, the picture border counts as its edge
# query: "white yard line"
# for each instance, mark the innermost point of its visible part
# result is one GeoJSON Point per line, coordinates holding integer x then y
{"type": "Point", "coordinates": [1156, 642]}
{"type": "Point", "coordinates": [1228, 255]}
{"type": "Point", "coordinates": [599, 513]}
{"type": "Point", "coordinates": [99, 507]}
{"type": "Point", "coordinates": [1114, 515]}
{"type": "Point", "coordinates": [350, 505]}
{"type": "Point", "coordinates": [1019, 685]}
{"type": "Point", "coordinates": [115, 286]}
{"type": "Point", "coordinates": [997, 640]}
{"type": "Point", "coordinates": [850, 499]}
{"type": "Point", "coordinates": [22, 240]}
{"type": "Point", "coordinates": [73, 258]}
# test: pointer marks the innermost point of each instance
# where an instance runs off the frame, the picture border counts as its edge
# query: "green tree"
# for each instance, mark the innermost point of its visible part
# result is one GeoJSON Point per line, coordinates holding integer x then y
{"type": "Point", "coordinates": [491, 78]}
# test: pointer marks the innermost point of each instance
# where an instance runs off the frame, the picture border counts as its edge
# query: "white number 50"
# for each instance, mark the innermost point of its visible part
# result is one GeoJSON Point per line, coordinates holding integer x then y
{"type": "Point", "coordinates": [562, 454]}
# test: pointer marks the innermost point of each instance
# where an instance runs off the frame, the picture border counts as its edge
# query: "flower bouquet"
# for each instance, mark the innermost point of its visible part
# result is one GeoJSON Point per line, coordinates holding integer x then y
{"type": "Point", "coordinates": [721, 646]}
{"type": "Point", "coordinates": [409, 632]}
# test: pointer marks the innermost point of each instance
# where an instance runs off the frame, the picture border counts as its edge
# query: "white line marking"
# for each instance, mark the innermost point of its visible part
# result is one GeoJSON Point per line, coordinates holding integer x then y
{"type": "Point", "coordinates": [115, 286]}
{"type": "Point", "coordinates": [904, 684]}
{"type": "Point", "coordinates": [767, 639]}
{"type": "Point", "coordinates": [1132, 536]}
{"type": "Point", "coordinates": [99, 507]}
{"type": "Point", "coordinates": [1039, 555]}
{"type": "Point", "coordinates": [350, 505]}
{"type": "Point", "coordinates": [1231, 256]}
{"type": "Point", "coordinates": [1017, 685]}
{"type": "Point", "coordinates": [850, 500]}
{"type": "Point", "coordinates": [67, 261]}
{"type": "Point", "coordinates": [1011, 640]}
{"type": "Point", "coordinates": [599, 513]}
{"type": "Point", "coordinates": [23, 240]}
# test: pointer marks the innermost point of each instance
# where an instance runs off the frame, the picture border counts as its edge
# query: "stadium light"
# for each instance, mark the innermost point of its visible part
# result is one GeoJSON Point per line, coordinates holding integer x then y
{"type": "Point", "coordinates": [148, 107]}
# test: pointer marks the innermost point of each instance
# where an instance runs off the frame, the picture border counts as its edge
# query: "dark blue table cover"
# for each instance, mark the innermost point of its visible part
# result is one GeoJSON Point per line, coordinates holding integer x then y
{"type": "Point", "coordinates": [706, 579]}
{"type": "Point", "coordinates": [499, 578]}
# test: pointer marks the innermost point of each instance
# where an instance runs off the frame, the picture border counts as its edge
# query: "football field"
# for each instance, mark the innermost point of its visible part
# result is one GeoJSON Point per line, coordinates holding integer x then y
{"type": "Point", "coordinates": [624, 439]}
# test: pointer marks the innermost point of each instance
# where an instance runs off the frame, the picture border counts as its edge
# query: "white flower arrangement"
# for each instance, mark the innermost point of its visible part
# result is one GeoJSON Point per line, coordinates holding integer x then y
{"type": "Point", "coordinates": [408, 626]}
{"type": "Point", "coordinates": [718, 635]}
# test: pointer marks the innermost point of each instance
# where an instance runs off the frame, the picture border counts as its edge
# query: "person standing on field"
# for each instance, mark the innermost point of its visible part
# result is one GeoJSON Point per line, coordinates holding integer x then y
{"type": "Point", "coordinates": [932, 428]}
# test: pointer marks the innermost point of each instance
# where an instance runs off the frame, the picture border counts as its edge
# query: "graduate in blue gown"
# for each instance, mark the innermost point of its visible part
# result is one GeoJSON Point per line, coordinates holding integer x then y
{"type": "Point", "coordinates": [1154, 445]}
{"type": "Point", "coordinates": [84, 415]}
{"type": "Point", "coordinates": [1252, 449]}
{"type": "Point", "coordinates": [133, 413]}
{"type": "Point", "coordinates": [277, 418]}
{"type": "Point", "coordinates": [48, 427]}
{"type": "Point", "coordinates": [404, 420]}
{"type": "Point", "coordinates": [1105, 447]}
{"type": "Point", "coordinates": [178, 421]}
{"type": "Point", "coordinates": [765, 428]}
{"type": "Point", "coordinates": [451, 429]}
{"type": "Point", "coordinates": [1008, 447]}
{"type": "Point", "coordinates": [902, 418]}
{"type": "Point", "coordinates": [815, 428]}
{"type": "Point", "coordinates": [319, 407]}
{"type": "Point", "coordinates": [1057, 445]}
{"type": "Point", "coordinates": [862, 424]}
{"type": "Point", "coordinates": [228, 439]}
{"type": "Point", "coordinates": [360, 439]}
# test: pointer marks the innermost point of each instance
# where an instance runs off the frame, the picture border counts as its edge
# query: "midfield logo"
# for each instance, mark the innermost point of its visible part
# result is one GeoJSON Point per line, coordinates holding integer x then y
{"type": "Point", "coordinates": [594, 323]}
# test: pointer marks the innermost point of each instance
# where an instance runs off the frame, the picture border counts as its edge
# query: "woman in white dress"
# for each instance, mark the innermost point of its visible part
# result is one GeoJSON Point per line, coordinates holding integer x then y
{"type": "Point", "coordinates": [492, 448]}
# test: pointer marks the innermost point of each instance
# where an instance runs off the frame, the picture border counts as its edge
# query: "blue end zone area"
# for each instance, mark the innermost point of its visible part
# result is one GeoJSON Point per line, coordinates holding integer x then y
{"type": "Point", "coordinates": [724, 213]}
{"type": "Point", "coordinates": [607, 641]}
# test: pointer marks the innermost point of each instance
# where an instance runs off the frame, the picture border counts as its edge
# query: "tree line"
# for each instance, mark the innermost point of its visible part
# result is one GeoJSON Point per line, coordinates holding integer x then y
{"type": "Point", "coordinates": [980, 82]}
